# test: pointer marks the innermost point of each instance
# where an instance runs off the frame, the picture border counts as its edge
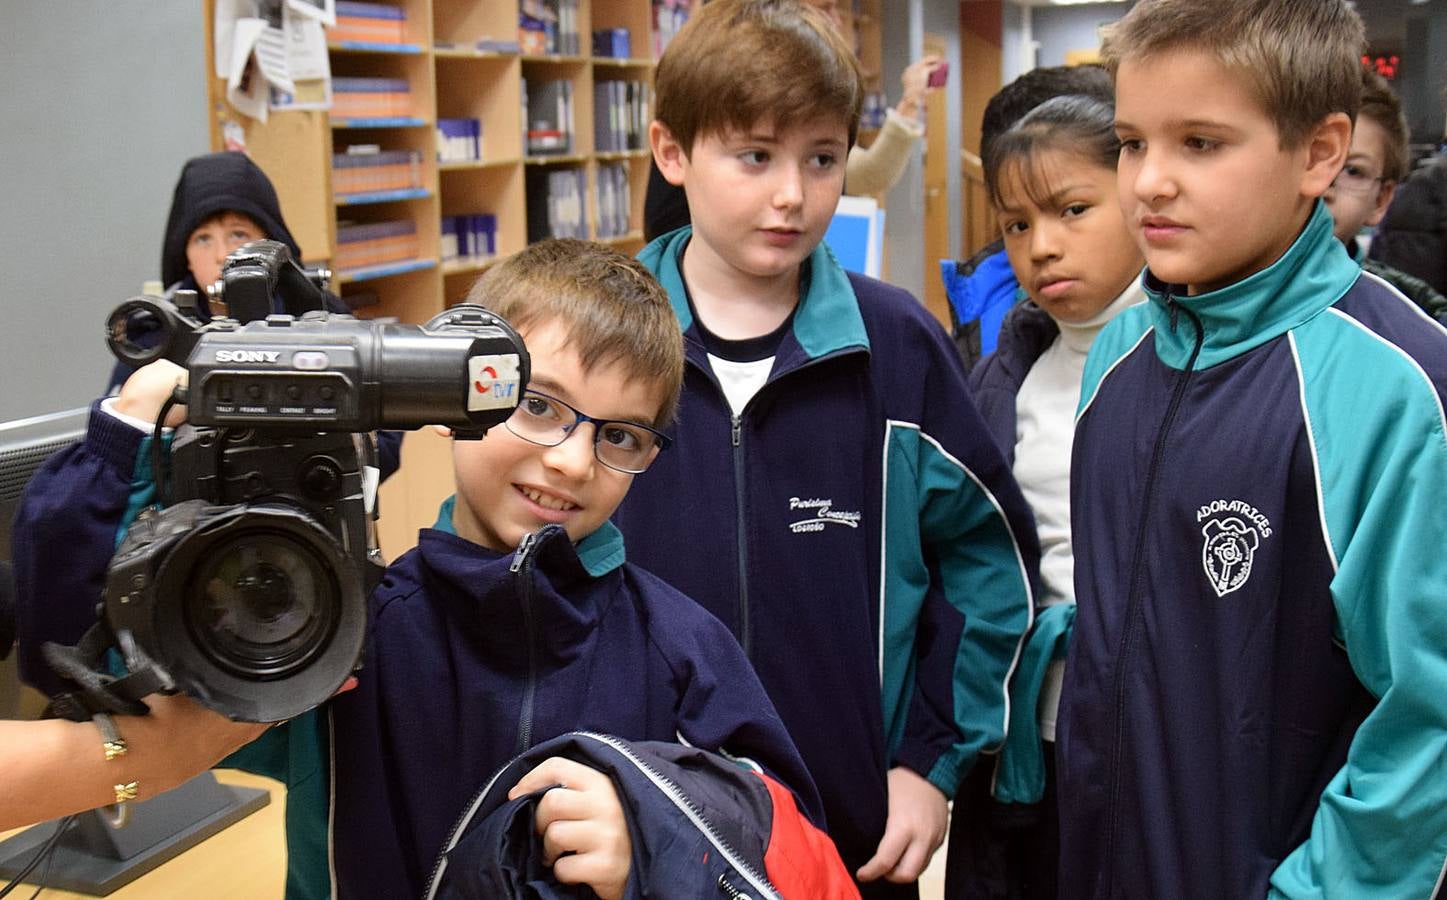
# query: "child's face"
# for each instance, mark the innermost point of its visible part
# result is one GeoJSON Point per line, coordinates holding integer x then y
{"type": "Point", "coordinates": [761, 200]}
{"type": "Point", "coordinates": [507, 486]}
{"type": "Point", "coordinates": [1207, 190]}
{"type": "Point", "coordinates": [1359, 197]}
{"type": "Point", "coordinates": [1068, 244]}
{"type": "Point", "coordinates": [213, 239]}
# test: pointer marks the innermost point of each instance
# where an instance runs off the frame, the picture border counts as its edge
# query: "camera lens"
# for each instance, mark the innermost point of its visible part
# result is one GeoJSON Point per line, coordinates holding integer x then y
{"type": "Point", "coordinates": [261, 605]}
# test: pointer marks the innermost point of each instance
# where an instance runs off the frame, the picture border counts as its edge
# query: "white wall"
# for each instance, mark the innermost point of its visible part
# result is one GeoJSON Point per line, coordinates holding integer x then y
{"type": "Point", "coordinates": [102, 104]}
{"type": "Point", "coordinates": [1062, 28]}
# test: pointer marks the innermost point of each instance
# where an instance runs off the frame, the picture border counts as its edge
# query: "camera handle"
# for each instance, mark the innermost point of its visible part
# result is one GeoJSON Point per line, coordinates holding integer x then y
{"type": "Point", "coordinates": [98, 691]}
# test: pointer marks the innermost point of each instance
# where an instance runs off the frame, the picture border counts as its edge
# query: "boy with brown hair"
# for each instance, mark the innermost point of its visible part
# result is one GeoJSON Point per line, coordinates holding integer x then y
{"type": "Point", "coordinates": [1360, 195]}
{"type": "Point", "coordinates": [1253, 694]}
{"type": "Point", "coordinates": [515, 619]}
{"type": "Point", "coordinates": [833, 497]}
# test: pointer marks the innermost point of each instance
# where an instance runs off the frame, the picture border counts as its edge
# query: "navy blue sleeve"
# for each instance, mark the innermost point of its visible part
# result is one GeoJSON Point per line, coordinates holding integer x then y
{"type": "Point", "coordinates": [65, 532]}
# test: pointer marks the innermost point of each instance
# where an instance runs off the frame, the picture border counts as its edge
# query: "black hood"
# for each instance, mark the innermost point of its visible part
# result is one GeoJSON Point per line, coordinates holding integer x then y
{"type": "Point", "coordinates": [212, 184]}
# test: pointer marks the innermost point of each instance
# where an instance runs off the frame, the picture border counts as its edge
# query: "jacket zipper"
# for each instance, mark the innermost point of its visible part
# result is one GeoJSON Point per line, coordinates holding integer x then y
{"type": "Point", "coordinates": [695, 815]}
{"type": "Point", "coordinates": [755, 879]}
{"type": "Point", "coordinates": [522, 567]}
{"type": "Point", "coordinates": [742, 542]}
{"type": "Point", "coordinates": [1134, 600]}
{"type": "Point", "coordinates": [736, 428]}
{"type": "Point", "coordinates": [439, 866]}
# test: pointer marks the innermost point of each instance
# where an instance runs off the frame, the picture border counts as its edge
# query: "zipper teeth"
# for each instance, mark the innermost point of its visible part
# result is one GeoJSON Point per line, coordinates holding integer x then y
{"type": "Point", "coordinates": [455, 832]}
{"type": "Point", "coordinates": [757, 880]}
{"type": "Point", "coordinates": [743, 533]}
{"type": "Point", "coordinates": [733, 892]}
{"type": "Point", "coordinates": [1134, 602]}
{"type": "Point", "coordinates": [523, 566]}
{"type": "Point", "coordinates": [670, 789]}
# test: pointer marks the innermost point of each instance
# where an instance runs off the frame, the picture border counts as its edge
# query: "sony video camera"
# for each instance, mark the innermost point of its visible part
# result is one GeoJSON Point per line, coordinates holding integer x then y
{"type": "Point", "coordinates": [246, 585]}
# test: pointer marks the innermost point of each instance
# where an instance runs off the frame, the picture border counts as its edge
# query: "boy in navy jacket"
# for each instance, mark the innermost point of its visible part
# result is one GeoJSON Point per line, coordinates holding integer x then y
{"type": "Point", "coordinates": [477, 650]}
{"type": "Point", "coordinates": [834, 497]}
{"type": "Point", "coordinates": [1253, 695]}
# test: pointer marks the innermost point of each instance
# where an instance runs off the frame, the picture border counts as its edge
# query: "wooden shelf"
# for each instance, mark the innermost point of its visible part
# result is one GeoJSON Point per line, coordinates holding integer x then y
{"type": "Point", "coordinates": [368, 273]}
{"type": "Point", "coordinates": [373, 47]}
{"type": "Point", "coordinates": [559, 159]}
{"type": "Point", "coordinates": [382, 197]}
{"type": "Point", "coordinates": [460, 59]}
{"type": "Point", "coordinates": [467, 164]}
{"type": "Point", "coordinates": [466, 266]}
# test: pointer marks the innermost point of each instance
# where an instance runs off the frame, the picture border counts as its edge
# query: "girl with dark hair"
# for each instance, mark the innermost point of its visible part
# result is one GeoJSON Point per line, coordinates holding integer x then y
{"type": "Point", "coordinates": [1051, 180]}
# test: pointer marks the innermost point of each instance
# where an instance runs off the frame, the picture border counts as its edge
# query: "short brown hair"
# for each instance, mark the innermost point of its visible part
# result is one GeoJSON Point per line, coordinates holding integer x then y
{"type": "Point", "coordinates": [613, 309]}
{"type": "Point", "coordinates": [1382, 106]}
{"type": "Point", "coordinates": [1301, 57]}
{"type": "Point", "coordinates": [738, 63]}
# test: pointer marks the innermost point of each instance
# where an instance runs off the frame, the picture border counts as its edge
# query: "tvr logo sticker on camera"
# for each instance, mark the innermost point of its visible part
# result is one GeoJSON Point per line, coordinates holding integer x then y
{"type": "Point", "coordinates": [1231, 543]}
{"type": "Point", "coordinates": [492, 382]}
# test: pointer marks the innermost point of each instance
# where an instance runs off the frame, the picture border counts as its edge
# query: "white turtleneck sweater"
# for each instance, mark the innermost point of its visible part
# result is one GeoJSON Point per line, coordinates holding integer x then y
{"type": "Point", "coordinates": [1044, 434]}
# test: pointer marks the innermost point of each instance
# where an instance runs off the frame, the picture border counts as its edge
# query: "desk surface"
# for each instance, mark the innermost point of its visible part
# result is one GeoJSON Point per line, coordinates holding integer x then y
{"type": "Point", "coordinates": [246, 861]}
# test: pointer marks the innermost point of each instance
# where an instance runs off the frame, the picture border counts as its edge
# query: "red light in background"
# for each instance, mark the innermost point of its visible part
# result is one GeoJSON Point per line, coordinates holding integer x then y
{"type": "Point", "coordinates": [1385, 66]}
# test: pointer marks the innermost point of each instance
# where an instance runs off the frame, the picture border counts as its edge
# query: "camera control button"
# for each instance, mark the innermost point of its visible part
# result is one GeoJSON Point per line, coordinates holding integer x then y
{"type": "Point", "coordinates": [309, 360]}
{"type": "Point", "coordinates": [327, 392]}
{"type": "Point", "coordinates": [293, 392]}
{"type": "Point", "coordinates": [254, 391]}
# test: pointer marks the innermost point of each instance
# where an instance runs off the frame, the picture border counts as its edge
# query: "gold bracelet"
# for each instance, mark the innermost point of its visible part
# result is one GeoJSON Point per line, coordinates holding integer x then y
{"type": "Point", "coordinates": [111, 740]}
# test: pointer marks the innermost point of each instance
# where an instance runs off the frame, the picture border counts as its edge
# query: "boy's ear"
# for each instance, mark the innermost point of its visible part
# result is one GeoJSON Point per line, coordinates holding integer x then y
{"type": "Point", "coordinates": [668, 153]}
{"type": "Point", "coordinates": [1326, 152]}
{"type": "Point", "coordinates": [1385, 193]}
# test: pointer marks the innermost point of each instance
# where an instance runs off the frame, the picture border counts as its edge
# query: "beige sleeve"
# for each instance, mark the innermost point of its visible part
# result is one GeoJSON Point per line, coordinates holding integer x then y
{"type": "Point", "coordinates": [875, 169]}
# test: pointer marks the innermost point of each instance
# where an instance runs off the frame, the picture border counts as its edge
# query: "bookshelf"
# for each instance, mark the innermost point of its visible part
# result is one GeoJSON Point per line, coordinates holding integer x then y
{"type": "Point", "coordinates": [459, 60]}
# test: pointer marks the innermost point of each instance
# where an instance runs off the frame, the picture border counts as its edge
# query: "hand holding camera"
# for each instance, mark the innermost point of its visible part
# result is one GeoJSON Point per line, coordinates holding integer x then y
{"type": "Point", "coordinates": [245, 584]}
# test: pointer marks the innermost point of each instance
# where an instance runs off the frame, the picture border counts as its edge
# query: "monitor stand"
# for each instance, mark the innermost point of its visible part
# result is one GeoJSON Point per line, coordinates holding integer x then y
{"type": "Point", "coordinates": [95, 857]}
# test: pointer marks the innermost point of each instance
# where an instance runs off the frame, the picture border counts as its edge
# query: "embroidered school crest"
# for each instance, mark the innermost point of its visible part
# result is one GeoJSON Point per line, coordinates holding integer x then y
{"type": "Point", "coordinates": [1230, 546]}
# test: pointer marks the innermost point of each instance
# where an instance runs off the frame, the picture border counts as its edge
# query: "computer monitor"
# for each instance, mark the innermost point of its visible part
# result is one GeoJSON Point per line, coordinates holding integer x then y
{"type": "Point", "coordinates": [96, 856]}
{"type": "Point", "coordinates": [25, 444]}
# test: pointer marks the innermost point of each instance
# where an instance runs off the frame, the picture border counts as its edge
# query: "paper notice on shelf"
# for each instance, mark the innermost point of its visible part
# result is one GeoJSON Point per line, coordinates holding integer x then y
{"type": "Point", "coordinates": [307, 66]}
{"type": "Point", "coordinates": [246, 89]}
{"type": "Point", "coordinates": [323, 11]}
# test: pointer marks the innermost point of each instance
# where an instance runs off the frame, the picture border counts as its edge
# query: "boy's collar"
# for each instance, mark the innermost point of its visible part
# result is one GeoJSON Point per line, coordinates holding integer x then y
{"type": "Point", "coordinates": [826, 321]}
{"type": "Point", "coordinates": [1313, 273]}
{"type": "Point", "coordinates": [600, 552]}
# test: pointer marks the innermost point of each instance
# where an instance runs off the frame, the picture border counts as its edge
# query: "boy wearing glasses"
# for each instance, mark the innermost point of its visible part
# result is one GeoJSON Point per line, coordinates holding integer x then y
{"type": "Point", "coordinates": [1361, 193]}
{"type": "Point", "coordinates": [516, 617]}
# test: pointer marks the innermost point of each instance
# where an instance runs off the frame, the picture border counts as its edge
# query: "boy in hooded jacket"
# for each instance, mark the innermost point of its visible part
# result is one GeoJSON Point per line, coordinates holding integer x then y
{"type": "Point", "coordinates": [222, 201]}
{"type": "Point", "coordinates": [1253, 693]}
{"type": "Point", "coordinates": [514, 619]}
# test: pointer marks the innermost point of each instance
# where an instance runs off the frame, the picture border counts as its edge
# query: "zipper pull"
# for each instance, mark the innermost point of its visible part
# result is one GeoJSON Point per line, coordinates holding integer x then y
{"type": "Point", "coordinates": [1175, 309]}
{"type": "Point", "coordinates": [525, 546]}
{"type": "Point", "coordinates": [737, 430]}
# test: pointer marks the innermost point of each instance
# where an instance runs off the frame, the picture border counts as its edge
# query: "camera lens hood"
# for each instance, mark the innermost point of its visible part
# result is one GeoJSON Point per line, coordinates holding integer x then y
{"type": "Point", "coordinates": [253, 609]}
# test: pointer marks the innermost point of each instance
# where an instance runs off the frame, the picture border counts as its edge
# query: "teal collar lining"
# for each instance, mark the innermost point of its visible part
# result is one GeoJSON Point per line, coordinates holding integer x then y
{"type": "Point", "coordinates": [600, 552]}
{"type": "Point", "coordinates": [827, 320]}
{"type": "Point", "coordinates": [1310, 276]}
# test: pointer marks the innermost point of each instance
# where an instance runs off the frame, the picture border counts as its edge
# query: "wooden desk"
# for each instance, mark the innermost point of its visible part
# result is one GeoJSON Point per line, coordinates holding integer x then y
{"type": "Point", "coordinates": [246, 861]}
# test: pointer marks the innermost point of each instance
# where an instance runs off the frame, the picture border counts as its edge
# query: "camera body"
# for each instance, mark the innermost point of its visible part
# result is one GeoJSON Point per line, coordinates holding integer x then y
{"type": "Point", "coordinates": [246, 586]}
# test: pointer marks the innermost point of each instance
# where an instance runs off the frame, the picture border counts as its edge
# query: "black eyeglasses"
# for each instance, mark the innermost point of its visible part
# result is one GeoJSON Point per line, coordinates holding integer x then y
{"type": "Point", "coordinates": [625, 446]}
{"type": "Point", "coordinates": [1355, 179]}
